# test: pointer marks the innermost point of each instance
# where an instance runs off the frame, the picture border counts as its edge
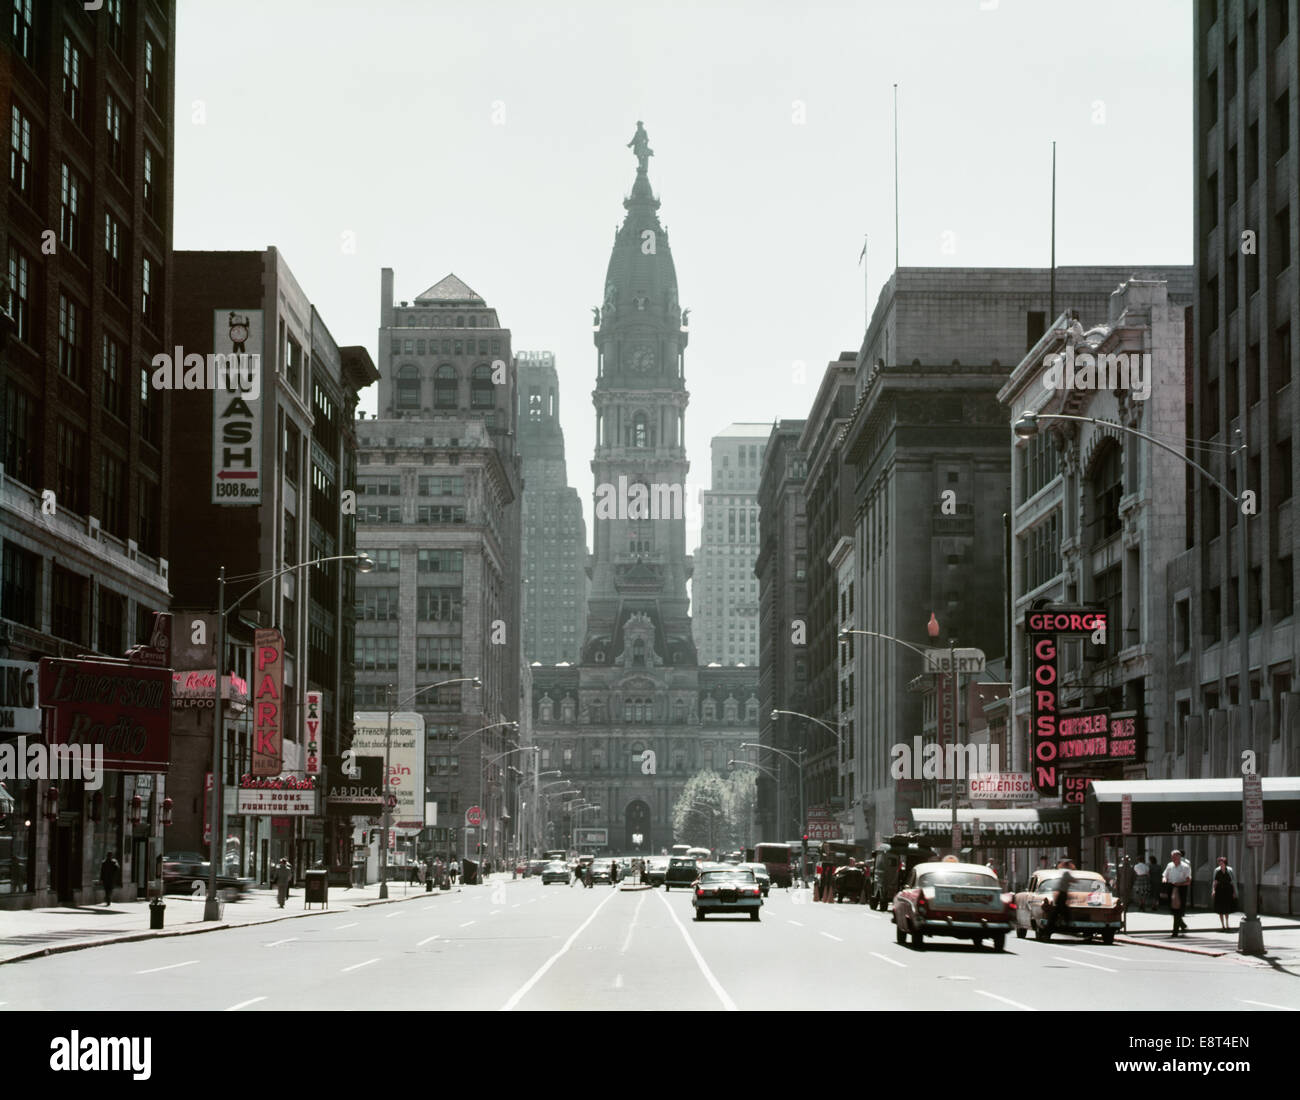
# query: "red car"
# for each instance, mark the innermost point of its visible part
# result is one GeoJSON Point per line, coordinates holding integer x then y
{"type": "Point", "coordinates": [963, 900]}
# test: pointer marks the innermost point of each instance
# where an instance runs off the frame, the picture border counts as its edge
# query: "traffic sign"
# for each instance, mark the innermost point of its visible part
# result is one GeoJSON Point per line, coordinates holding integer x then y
{"type": "Point", "coordinates": [1126, 815]}
{"type": "Point", "coordinates": [975, 828]}
{"type": "Point", "coordinates": [943, 660]}
{"type": "Point", "coordinates": [474, 816]}
{"type": "Point", "coordinates": [1252, 790]}
{"type": "Point", "coordinates": [956, 837]}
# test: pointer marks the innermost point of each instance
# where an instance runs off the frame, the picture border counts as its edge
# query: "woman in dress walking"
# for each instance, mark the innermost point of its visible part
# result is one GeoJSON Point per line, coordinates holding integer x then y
{"type": "Point", "coordinates": [1223, 892]}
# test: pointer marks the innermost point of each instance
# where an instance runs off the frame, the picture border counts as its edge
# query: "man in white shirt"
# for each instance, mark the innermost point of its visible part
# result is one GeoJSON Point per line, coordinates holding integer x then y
{"type": "Point", "coordinates": [1179, 877]}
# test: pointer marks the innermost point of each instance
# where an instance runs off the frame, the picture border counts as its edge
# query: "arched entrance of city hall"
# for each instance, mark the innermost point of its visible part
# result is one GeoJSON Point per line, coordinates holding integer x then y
{"type": "Point", "coordinates": [636, 824]}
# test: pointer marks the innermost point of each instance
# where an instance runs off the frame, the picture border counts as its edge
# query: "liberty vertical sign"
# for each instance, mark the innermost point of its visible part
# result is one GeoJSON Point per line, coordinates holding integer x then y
{"type": "Point", "coordinates": [237, 410]}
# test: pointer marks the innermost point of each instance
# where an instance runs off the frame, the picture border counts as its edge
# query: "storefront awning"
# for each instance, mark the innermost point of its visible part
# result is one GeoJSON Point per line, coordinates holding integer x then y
{"type": "Point", "coordinates": [1176, 807]}
{"type": "Point", "coordinates": [1045, 828]}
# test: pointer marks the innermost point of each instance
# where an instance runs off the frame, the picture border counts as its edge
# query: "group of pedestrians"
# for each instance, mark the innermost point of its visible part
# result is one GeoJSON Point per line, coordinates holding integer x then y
{"type": "Point", "coordinates": [1135, 887]}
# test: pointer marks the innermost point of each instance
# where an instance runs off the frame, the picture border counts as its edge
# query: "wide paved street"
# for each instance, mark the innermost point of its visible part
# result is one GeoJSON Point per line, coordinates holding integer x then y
{"type": "Point", "coordinates": [518, 945]}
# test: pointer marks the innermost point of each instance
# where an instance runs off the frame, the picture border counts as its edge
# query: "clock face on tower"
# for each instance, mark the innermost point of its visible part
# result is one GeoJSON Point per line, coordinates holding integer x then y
{"type": "Point", "coordinates": [642, 359]}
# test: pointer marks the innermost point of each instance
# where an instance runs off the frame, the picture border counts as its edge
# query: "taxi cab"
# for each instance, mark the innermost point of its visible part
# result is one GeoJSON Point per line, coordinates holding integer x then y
{"type": "Point", "coordinates": [1091, 909]}
{"type": "Point", "coordinates": [963, 900]}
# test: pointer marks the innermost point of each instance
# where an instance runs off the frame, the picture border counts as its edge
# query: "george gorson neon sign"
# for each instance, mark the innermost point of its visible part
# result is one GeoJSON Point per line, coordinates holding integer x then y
{"type": "Point", "coordinates": [1043, 628]}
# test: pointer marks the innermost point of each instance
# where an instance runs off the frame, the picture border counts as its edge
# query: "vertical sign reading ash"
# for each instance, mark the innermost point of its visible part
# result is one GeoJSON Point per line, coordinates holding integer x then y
{"type": "Point", "coordinates": [268, 702]}
{"type": "Point", "coordinates": [237, 411]}
{"type": "Point", "coordinates": [1042, 629]}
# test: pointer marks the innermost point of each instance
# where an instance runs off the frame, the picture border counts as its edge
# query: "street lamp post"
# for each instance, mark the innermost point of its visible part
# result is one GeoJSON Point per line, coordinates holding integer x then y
{"type": "Point", "coordinates": [211, 909]}
{"type": "Point", "coordinates": [798, 763]}
{"type": "Point", "coordinates": [776, 775]}
{"type": "Point", "coordinates": [1250, 934]}
{"type": "Point", "coordinates": [388, 743]}
{"type": "Point", "coordinates": [478, 829]}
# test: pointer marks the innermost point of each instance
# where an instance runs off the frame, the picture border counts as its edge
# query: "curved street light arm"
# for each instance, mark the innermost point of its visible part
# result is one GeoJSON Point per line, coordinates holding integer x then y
{"type": "Point", "coordinates": [886, 637]}
{"type": "Point", "coordinates": [825, 725]}
{"type": "Point", "coordinates": [796, 761]}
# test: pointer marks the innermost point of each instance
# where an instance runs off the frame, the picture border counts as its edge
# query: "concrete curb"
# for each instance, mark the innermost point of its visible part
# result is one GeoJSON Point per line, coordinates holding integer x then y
{"type": "Point", "coordinates": [199, 929]}
{"type": "Point", "coordinates": [1171, 947]}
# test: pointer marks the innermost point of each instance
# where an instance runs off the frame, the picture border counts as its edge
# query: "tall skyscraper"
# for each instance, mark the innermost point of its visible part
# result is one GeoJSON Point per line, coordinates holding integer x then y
{"type": "Point", "coordinates": [724, 590]}
{"type": "Point", "coordinates": [554, 530]}
{"type": "Point", "coordinates": [439, 510]}
{"type": "Point", "coordinates": [86, 238]}
{"type": "Point", "coordinates": [637, 717]}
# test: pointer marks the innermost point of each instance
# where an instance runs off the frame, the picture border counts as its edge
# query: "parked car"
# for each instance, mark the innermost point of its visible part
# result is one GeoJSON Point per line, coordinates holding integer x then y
{"type": "Point", "coordinates": [655, 868]}
{"type": "Point", "coordinates": [727, 889]}
{"type": "Point", "coordinates": [191, 877]}
{"type": "Point", "coordinates": [963, 900]}
{"type": "Point", "coordinates": [1091, 909]}
{"type": "Point", "coordinates": [681, 871]}
{"type": "Point", "coordinates": [760, 874]}
{"type": "Point", "coordinates": [557, 872]}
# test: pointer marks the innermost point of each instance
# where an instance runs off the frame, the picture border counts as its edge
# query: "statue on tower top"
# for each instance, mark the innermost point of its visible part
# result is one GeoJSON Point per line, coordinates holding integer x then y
{"type": "Point", "coordinates": [640, 145]}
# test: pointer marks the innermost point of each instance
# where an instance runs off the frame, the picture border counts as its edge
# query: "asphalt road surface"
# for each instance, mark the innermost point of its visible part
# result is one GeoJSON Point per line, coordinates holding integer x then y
{"type": "Point", "coordinates": [518, 945]}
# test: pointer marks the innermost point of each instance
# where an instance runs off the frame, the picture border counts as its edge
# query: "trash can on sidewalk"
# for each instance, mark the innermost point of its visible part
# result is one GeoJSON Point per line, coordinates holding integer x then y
{"type": "Point", "coordinates": [156, 911]}
{"type": "Point", "coordinates": [317, 889]}
{"type": "Point", "coordinates": [469, 872]}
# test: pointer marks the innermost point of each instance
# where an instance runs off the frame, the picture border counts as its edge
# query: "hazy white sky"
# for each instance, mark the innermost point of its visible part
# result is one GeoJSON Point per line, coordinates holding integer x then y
{"type": "Point", "coordinates": [488, 140]}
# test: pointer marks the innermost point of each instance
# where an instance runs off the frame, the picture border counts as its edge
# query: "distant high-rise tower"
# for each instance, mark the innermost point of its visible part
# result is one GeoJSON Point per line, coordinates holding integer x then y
{"type": "Point", "coordinates": [554, 531]}
{"type": "Point", "coordinates": [724, 591]}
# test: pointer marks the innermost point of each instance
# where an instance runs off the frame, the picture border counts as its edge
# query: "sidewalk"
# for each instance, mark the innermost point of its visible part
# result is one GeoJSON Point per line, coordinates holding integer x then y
{"type": "Point", "coordinates": [30, 933]}
{"type": "Point", "coordinates": [1205, 937]}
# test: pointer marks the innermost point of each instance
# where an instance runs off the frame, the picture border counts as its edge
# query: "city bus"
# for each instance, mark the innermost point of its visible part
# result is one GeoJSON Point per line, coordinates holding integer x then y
{"type": "Point", "coordinates": [777, 859]}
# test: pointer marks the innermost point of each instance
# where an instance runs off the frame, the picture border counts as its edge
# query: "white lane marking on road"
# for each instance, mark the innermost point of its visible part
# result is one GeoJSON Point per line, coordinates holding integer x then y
{"type": "Point", "coordinates": [427, 908]}
{"type": "Point", "coordinates": [632, 927]}
{"type": "Point", "coordinates": [886, 958]}
{"type": "Point", "coordinates": [516, 904]}
{"type": "Point", "coordinates": [467, 924]}
{"type": "Point", "coordinates": [278, 942]}
{"type": "Point", "coordinates": [1265, 1004]}
{"type": "Point", "coordinates": [358, 966]}
{"type": "Point", "coordinates": [837, 939]}
{"type": "Point", "coordinates": [522, 992]}
{"type": "Point", "coordinates": [429, 940]}
{"type": "Point", "coordinates": [618, 981]}
{"type": "Point", "coordinates": [727, 1002]}
{"type": "Point", "coordinates": [173, 966]}
{"type": "Point", "coordinates": [1080, 962]}
{"type": "Point", "coordinates": [352, 925]}
{"type": "Point", "coordinates": [796, 923]}
{"type": "Point", "coordinates": [491, 914]}
{"type": "Point", "coordinates": [1116, 957]}
{"type": "Point", "coordinates": [390, 916]}
{"type": "Point", "coordinates": [244, 1004]}
{"type": "Point", "coordinates": [1005, 1000]}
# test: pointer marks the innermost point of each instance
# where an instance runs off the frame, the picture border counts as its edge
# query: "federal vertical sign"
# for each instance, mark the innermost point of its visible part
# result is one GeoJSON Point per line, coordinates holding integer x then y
{"type": "Point", "coordinates": [237, 401]}
{"type": "Point", "coordinates": [268, 702]}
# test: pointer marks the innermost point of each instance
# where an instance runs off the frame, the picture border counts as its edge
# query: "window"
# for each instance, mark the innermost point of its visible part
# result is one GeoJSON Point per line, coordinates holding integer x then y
{"type": "Point", "coordinates": [1282, 472]}
{"type": "Point", "coordinates": [151, 292]}
{"type": "Point", "coordinates": [641, 435]}
{"type": "Point", "coordinates": [293, 362]}
{"type": "Point", "coordinates": [68, 601]}
{"type": "Point", "coordinates": [441, 513]}
{"type": "Point", "coordinates": [1283, 588]}
{"type": "Point", "coordinates": [112, 622]}
{"type": "Point", "coordinates": [70, 464]}
{"type": "Point", "coordinates": [292, 451]}
{"type": "Point", "coordinates": [482, 391]}
{"type": "Point", "coordinates": [1282, 237]}
{"type": "Point", "coordinates": [74, 96]}
{"type": "Point", "coordinates": [117, 144]}
{"type": "Point", "coordinates": [440, 561]}
{"type": "Point", "coordinates": [72, 340]}
{"type": "Point", "coordinates": [380, 486]}
{"type": "Point", "coordinates": [153, 76]}
{"type": "Point", "coordinates": [446, 388]}
{"type": "Point", "coordinates": [24, 38]}
{"type": "Point", "coordinates": [112, 479]}
{"type": "Point", "coordinates": [1211, 100]}
{"type": "Point", "coordinates": [148, 518]}
{"type": "Point", "coordinates": [20, 436]}
{"type": "Point", "coordinates": [438, 605]}
{"type": "Point", "coordinates": [115, 251]}
{"type": "Point", "coordinates": [21, 177]}
{"type": "Point", "coordinates": [1282, 123]}
{"type": "Point", "coordinates": [377, 604]}
{"type": "Point", "coordinates": [114, 387]}
{"type": "Point", "coordinates": [20, 302]}
{"type": "Point", "coordinates": [150, 410]}
{"type": "Point", "coordinates": [379, 513]}
{"type": "Point", "coordinates": [1039, 464]}
{"type": "Point", "coordinates": [1279, 367]}
{"type": "Point", "coordinates": [408, 387]}
{"type": "Point", "coordinates": [434, 486]}
{"type": "Point", "coordinates": [153, 183]}
{"type": "Point", "coordinates": [72, 212]}
{"type": "Point", "coordinates": [437, 654]}
{"type": "Point", "coordinates": [386, 561]}
{"type": "Point", "coordinates": [116, 39]}
{"type": "Point", "coordinates": [1107, 484]}
{"type": "Point", "coordinates": [1212, 619]}
{"type": "Point", "coordinates": [375, 654]}
{"type": "Point", "coordinates": [19, 588]}
{"type": "Point", "coordinates": [1230, 178]}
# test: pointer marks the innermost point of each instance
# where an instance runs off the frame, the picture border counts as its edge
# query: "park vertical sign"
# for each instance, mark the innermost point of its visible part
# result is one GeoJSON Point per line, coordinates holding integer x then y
{"type": "Point", "coordinates": [1043, 628]}
{"type": "Point", "coordinates": [268, 702]}
{"type": "Point", "coordinates": [237, 401]}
